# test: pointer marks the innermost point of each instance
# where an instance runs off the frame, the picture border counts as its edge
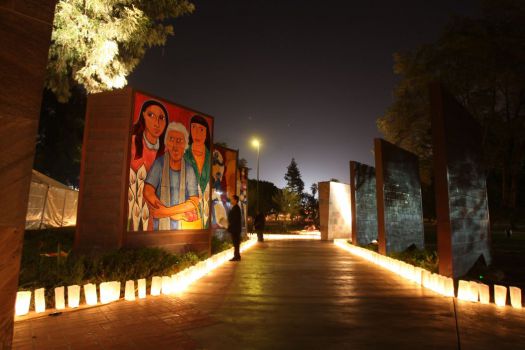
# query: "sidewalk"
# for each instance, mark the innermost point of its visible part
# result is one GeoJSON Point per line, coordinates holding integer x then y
{"type": "Point", "coordinates": [284, 295]}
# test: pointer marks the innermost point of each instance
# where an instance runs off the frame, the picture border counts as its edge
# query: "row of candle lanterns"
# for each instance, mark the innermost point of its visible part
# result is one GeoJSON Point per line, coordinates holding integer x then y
{"type": "Point", "coordinates": [110, 291]}
{"type": "Point", "coordinates": [467, 290]}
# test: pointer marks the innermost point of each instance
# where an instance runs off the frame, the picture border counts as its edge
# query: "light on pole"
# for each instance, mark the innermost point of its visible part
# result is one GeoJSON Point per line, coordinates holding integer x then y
{"type": "Point", "coordinates": [257, 144]}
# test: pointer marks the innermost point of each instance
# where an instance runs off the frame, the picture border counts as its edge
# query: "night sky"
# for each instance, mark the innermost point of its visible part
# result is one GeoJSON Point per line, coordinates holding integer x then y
{"type": "Point", "coordinates": [309, 78]}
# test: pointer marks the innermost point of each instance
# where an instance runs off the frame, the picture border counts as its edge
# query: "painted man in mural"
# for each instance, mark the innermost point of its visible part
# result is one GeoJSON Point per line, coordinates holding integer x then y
{"type": "Point", "coordinates": [171, 187]}
{"type": "Point", "coordinates": [198, 155]}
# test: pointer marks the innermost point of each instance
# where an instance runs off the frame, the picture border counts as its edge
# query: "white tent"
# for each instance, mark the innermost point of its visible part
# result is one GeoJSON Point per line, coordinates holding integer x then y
{"type": "Point", "coordinates": [51, 203]}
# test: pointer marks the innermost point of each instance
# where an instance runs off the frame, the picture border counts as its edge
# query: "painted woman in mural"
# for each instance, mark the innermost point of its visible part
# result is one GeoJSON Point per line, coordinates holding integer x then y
{"type": "Point", "coordinates": [147, 140]}
{"type": "Point", "coordinates": [219, 218]}
{"type": "Point", "coordinates": [171, 186]}
{"type": "Point", "coordinates": [198, 155]}
{"type": "Point", "coordinates": [147, 144]}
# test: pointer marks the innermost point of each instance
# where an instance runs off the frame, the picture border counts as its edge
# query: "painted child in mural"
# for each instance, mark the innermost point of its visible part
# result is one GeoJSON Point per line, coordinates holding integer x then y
{"type": "Point", "coordinates": [198, 155]}
{"type": "Point", "coordinates": [147, 144]}
{"type": "Point", "coordinates": [171, 186]}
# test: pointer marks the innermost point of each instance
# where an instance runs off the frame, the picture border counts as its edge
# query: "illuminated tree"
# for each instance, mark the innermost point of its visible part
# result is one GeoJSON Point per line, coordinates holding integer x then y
{"type": "Point", "coordinates": [98, 43]}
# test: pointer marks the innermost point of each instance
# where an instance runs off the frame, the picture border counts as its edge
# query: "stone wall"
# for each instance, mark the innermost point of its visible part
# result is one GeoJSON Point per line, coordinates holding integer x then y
{"type": "Point", "coordinates": [363, 199]}
{"type": "Point", "coordinates": [461, 189]}
{"type": "Point", "coordinates": [399, 204]}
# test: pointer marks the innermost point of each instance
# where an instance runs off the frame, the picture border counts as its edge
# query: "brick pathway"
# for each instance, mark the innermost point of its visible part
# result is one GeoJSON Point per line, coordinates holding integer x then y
{"type": "Point", "coordinates": [284, 295]}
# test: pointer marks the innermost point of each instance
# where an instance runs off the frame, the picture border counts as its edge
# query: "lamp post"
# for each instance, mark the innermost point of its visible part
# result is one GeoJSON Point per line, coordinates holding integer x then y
{"type": "Point", "coordinates": [257, 144]}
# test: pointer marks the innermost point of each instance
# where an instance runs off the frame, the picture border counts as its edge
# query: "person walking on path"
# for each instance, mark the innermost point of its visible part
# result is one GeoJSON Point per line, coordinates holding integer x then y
{"type": "Point", "coordinates": [259, 224]}
{"type": "Point", "coordinates": [234, 227]}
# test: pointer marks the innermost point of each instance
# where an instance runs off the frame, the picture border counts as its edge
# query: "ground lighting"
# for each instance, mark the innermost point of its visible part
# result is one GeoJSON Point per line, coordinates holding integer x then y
{"type": "Point", "coordinates": [110, 291]}
{"type": "Point", "coordinates": [467, 290]}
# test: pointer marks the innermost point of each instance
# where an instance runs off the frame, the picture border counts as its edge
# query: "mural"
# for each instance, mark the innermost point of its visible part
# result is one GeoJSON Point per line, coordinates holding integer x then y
{"type": "Point", "coordinates": [242, 192]}
{"type": "Point", "coordinates": [224, 174]}
{"type": "Point", "coordinates": [169, 176]}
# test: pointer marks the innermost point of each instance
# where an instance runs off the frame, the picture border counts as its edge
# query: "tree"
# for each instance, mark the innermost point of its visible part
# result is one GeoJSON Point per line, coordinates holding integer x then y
{"type": "Point", "coordinates": [267, 190]}
{"type": "Point", "coordinates": [95, 45]}
{"type": "Point", "coordinates": [481, 61]}
{"type": "Point", "coordinates": [311, 205]}
{"type": "Point", "coordinates": [288, 202]}
{"type": "Point", "coordinates": [59, 140]}
{"type": "Point", "coordinates": [314, 188]}
{"type": "Point", "coordinates": [98, 43]}
{"type": "Point", "coordinates": [293, 178]}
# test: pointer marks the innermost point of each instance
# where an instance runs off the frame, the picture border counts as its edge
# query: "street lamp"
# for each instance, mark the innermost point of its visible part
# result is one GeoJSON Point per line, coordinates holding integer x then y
{"type": "Point", "coordinates": [257, 144]}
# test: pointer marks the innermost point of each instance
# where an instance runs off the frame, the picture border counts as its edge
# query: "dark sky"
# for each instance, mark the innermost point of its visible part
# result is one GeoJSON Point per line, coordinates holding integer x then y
{"type": "Point", "coordinates": [309, 78]}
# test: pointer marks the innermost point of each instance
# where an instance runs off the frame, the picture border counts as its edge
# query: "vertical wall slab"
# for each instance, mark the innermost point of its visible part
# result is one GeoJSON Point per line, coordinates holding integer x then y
{"type": "Point", "coordinates": [103, 192]}
{"type": "Point", "coordinates": [363, 200]}
{"type": "Point", "coordinates": [460, 184]}
{"type": "Point", "coordinates": [399, 204]}
{"type": "Point", "coordinates": [25, 32]}
{"type": "Point", "coordinates": [115, 182]}
{"type": "Point", "coordinates": [335, 212]}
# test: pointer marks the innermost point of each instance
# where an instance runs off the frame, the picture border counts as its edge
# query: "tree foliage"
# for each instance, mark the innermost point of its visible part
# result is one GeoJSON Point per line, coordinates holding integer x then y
{"type": "Point", "coordinates": [98, 43]}
{"type": "Point", "coordinates": [288, 202]}
{"type": "Point", "coordinates": [293, 178]}
{"type": "Point", "coordinates": [311, 204]}
{"type": "Point", "coordinates": [267, 190]}
{"type": "Point", "coordinates": [59, 140]}
{"type": "Point", "coordinates": [481, 61]}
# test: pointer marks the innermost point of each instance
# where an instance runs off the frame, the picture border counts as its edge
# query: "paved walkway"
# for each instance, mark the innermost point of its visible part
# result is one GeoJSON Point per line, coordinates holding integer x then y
{"type": "Point", "coordinates": [285, 295]}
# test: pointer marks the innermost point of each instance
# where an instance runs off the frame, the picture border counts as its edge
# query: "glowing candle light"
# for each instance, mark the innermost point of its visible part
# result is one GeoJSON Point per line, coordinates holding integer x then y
{"type": "Point", "coordinates": [105, 292]}
{"type": "Point", "coordinates": [449, 287]}
{"type": "Point", "coordinates": [441, 280]}
{"type": "Point", "coordinates": [474, 291]}
{"type": "Point", "coordinates": [500, 295]}
{"type": "Point", "coordinates": [40, 300]}
{"type": "Point", "coordinates": [73, 296]}
{"type": "Point", "coordinates": [129, 293]}
{"type": "Point", "coordinates": [90, 293]}
{"type": "Point", "coordinates": [156, 284]}
{"type": "Point", "coordinates": [484, 293]}
{"type": "Point", "coordinates": [464, 290]}
{"type": "Point", "coordinates": [115, 290]}
{"type": "Point", "coordinates": [142, 288]}
{"type": "Point", "coordinates": [418, 273]}
{"type": "Point", "coordinates": [23, 299]}
{"type": "Point", "coordinates": [515, 297]}
{"type": "Point", "coordinates": [60, 302]}
{"type": "Point", "coordinates": [166, 285]}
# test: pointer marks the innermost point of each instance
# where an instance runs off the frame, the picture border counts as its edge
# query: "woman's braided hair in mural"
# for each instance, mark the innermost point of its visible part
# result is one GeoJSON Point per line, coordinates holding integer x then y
{"type": "Point", "coordinates": [140, 126]}
{"type": "Point", "coordinates": [200, 120]}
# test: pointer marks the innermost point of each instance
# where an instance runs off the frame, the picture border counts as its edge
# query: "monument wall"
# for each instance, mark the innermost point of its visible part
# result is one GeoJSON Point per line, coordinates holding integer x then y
{"type": "Point", "coordinates": [399, 202]}
{"type": "Point", "coordinates": [335, 211]}
{"type": "Point", "coordinates": [25, 33]}
{"type": "Point", "coordinates": [460, 183]}
{"type": "Point", "coordinates": [363, 199]}
{"type": "Point", "coordinates": [224, 179]}
{"type": "Point", "coordinates": [145, 174]}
